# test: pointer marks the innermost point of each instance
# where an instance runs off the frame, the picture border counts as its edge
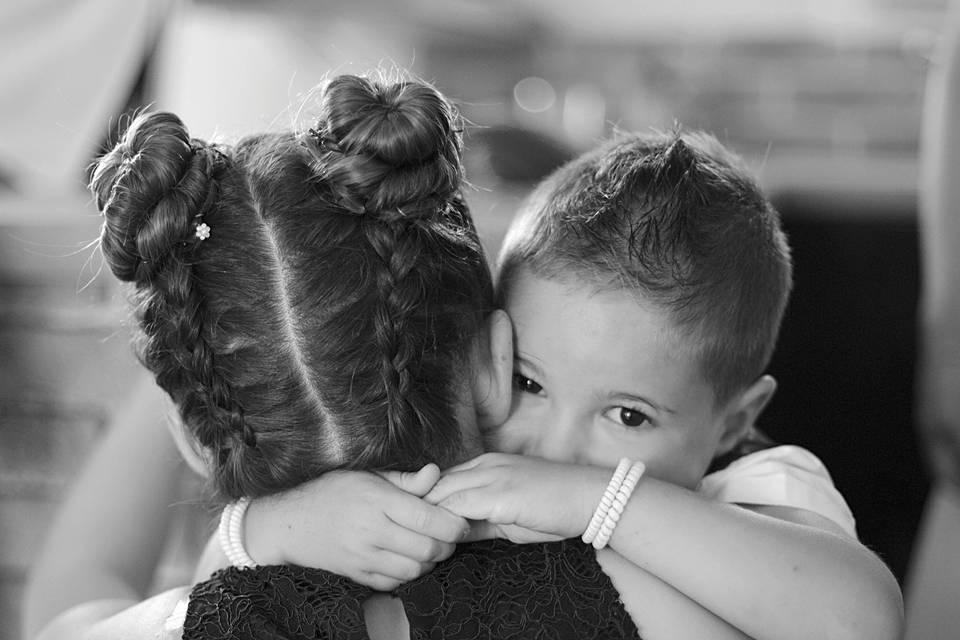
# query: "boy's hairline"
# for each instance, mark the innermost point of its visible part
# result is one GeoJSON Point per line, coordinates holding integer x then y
{"type": "Point", "coordinates": [708, 342]}
{"type": "Point", "coordinates": [686, 337]}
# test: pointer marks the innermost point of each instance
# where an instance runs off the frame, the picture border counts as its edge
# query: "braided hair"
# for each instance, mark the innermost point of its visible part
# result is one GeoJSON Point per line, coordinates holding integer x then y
{"type": "Point", "coordinates": [308, 300]}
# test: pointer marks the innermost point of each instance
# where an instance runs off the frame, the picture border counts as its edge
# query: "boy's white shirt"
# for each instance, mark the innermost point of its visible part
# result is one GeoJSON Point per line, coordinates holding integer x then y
{"type": "Point", "coordinates": [786, 476]}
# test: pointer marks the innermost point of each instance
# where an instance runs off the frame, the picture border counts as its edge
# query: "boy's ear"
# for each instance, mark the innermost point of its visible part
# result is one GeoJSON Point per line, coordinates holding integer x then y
{"type": "Point", "coordinates": [492, 382]}
{"type": "Point", "coordinates": [744, 409]}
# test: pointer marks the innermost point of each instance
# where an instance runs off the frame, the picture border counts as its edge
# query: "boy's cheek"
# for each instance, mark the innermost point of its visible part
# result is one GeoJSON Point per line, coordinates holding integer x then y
{"type": "Point", "coordinates": [504, 439]}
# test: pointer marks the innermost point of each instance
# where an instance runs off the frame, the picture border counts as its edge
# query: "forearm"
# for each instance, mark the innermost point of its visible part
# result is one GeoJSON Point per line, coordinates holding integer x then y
{"type": "Point", "coordinates": [116, 619]}
{"type": "Point", "coordinates": [938, 364]}
{"type": "Point", "coordinates": [940, 191]}
{"type": "Point", "coordinates": [110, 530]}
{"type": "Point", "coordinates": [767, 577]}
{"type": "Point", "coordinates": [660, 610]}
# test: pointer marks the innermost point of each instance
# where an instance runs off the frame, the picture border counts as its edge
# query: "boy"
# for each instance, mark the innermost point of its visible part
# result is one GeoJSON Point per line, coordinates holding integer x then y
{"type": "Point", "coordinates": [646, 282]}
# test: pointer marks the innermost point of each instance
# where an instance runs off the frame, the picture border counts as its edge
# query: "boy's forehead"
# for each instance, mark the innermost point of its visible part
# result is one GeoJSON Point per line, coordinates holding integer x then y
{"type": "Point", "coordinates": [573, 289]}
{"type": "Point", "coordinates": [583, 313]}
{"type": "Point", "coordinates": [602, 343]}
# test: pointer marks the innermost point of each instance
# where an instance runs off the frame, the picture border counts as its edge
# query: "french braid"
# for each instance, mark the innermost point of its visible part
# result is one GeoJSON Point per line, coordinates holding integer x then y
{"type": "Point", "coordinates": [153, 189]}
{"type": "Point", "coordinates": [327, 320]}
{"type": "Point", "coordinates": [391, 155]}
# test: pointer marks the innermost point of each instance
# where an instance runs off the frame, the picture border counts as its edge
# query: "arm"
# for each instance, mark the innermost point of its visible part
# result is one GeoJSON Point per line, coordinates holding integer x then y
{"type": "Point", "coordinates": [117, 619]}
{"type": "Point", "coordinates": [938, 372]}
{"type": "Point", "coordinates": [766, 576]}
{"type": "Point", "coordinates": [107, 537]}
{"type": "Point", "coordinates": [372, 528]}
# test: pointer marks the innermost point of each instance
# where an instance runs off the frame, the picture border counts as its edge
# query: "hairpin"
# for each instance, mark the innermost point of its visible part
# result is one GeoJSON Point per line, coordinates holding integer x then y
{"type": "Point", "coordinates": [203, 231]}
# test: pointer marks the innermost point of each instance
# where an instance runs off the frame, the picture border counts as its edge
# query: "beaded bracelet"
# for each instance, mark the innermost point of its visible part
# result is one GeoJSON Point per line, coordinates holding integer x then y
{"type": "Point", "coordinates": [230, 533]}
{"type": "Point", "coordinates": [619, 504]}
{"type": "Point", "coordinates": [612, 503]}
{"type": "Point", "coordinates": [605, 501]}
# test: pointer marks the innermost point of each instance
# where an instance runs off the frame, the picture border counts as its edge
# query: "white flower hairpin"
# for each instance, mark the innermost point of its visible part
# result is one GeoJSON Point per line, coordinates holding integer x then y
{"type": "Point", "coordinates": [203, 231]}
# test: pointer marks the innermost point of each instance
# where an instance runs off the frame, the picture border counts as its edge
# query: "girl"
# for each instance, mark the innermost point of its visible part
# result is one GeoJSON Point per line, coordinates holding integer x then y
{"type": "Point", "coordinates": [312, 302]}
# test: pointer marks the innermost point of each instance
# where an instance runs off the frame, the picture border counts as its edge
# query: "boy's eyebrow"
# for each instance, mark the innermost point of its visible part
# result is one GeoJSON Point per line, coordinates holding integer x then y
{"type": "Point", "coordinates": [525, 361]}
{"type": "Point", "coordinates": [623, 395]}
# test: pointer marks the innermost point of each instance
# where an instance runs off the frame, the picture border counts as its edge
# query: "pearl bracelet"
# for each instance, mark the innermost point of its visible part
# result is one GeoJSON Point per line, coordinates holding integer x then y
{"type": "Point", "coordinates": [230, 533]}
{"type": "Point", "coordinates": [613, 502]}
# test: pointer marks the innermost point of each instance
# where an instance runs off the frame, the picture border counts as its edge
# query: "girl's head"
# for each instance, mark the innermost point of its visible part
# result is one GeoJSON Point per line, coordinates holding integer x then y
{"type": "Point", "coordinates": [308, 300]}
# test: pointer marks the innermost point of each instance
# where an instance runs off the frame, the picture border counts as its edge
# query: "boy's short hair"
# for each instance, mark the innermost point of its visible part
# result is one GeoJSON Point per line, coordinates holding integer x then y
{"type": "Point", "coordinates": [677, 219]}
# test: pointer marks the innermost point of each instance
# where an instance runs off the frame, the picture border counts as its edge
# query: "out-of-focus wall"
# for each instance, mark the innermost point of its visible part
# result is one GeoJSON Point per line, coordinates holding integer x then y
{"type": "Point", "coordinates": [824, 101]}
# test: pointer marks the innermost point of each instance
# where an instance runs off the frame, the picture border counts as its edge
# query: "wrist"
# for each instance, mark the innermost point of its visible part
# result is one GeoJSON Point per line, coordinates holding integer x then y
{"type": "Point", "coordinates": [595, 483]}
{"type": "Point", "coordinates": [612, 503]}
{"type": "Point", "coordinates": [261, 539]}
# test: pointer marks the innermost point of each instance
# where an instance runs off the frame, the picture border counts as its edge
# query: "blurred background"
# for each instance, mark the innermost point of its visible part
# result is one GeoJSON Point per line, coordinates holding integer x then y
{"type": "Point", "coordinates": [823, 98]}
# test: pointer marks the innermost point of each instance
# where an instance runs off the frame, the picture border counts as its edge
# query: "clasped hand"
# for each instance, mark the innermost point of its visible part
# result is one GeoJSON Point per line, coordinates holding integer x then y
{"type": "Point", "coordinates": [521, 498]}
{"type": "Point", "coordinates": [382, 530]}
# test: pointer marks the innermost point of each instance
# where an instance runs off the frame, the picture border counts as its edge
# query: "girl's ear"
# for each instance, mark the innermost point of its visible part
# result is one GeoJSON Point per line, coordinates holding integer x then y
{"type": "Point", "coordinates": [743, 410]}
{"type": "Point", "coordinates": [187, 448]}
{"type": "Point", "coordinates": [492, 382]}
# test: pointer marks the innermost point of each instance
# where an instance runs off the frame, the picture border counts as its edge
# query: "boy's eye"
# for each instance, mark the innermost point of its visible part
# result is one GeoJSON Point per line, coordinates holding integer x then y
{"type": "Point", "coordinates": [627, 417]}
{"type": "Point", "coordinates": [525, 384]}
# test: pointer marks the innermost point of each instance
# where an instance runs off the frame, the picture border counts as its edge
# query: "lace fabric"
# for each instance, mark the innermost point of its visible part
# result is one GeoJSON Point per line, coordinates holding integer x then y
{"type": "Point", "coordinates": [492, 589]}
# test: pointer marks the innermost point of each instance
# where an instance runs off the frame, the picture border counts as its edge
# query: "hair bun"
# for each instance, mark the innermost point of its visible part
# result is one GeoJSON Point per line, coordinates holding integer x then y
{"type": "Point", "coordinates": [148, 189]}
{"type": "Point", "coordinates": [386, 147]}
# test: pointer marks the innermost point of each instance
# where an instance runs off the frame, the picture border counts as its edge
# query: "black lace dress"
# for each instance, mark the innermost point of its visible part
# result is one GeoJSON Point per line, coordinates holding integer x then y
{"type": "Point", "coordinates": [490, 589]}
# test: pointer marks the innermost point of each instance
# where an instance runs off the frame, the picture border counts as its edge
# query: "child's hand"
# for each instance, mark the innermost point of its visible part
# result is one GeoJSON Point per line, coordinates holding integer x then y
{"type": "Point", "coordinates": [484, 530]}
{"type": "Point", "coordinates": [374, 529]}
{"type": "Point", "coordinates": [536, 496]}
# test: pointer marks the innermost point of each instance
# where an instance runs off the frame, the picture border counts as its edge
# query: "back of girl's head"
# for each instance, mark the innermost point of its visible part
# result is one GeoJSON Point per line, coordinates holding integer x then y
{"type": "Point", "coordinates": [677, 220]}
{"type": "Point", "coordinates": [325, 318]}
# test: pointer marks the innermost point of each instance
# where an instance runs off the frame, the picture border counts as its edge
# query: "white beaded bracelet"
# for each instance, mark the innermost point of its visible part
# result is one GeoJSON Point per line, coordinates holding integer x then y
{"type": "Point", "coordinates": [230, 533]}
{"type": "Point", "coordinates": [613, 514]}
{"type": "Point", "coordinates": [605, 501]}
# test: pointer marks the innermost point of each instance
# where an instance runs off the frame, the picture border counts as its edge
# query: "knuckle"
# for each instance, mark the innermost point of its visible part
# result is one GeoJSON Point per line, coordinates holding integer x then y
{"type": "Point", "coordinates": [444, 551]}
{"type": "Point", "coordinates": [424, 551]}
{"type": "Point", "coordinates": [423, 519]}
{"type": "Point", "coordinates": [455, 499]}
{"type": "Point", "coordinates": [380, 582]}
{"type": "Point", "coordinates": [452, 533]}
{"type": "Point", "coordinates": [412, 571]}
{"type": "Point", "coordinates": [432, 551]}
{"type": "Point", "coordinates": [389, 584]}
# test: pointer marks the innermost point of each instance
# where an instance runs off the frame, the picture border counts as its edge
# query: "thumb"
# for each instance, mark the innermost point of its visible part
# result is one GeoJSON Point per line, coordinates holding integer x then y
{"type": "Point", "coordinates": [418, 483]}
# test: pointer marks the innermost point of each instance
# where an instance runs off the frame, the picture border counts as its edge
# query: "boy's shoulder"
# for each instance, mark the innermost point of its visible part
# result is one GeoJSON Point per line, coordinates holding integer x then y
{"type": "Point", "coordinates": [759, 471]}
{"type": "Point", "coordinates": [754, 441]}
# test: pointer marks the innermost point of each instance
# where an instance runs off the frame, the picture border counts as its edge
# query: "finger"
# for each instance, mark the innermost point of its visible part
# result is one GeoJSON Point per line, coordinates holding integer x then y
{"type": "Point", "coordinates": [483, 460]}
{"type": "Point", "coordinates": [416, 546]}
{"type": "Point", "coordinates": [473, 504]}
{"type": "Point", "coordinates": [417, 483]}
{"type": "Point", "coordinates": [463, 480]}
{"type": "Point", "coordinates": [397, 566]}
{"type": "Point", "coordinates": [376, 581]}
{"type": "Point", "coordinates": [447, 549]}
{"type": "Point", "coordinates": [428, 520]}
{"type": "Point", "coordinates": [522, 535]}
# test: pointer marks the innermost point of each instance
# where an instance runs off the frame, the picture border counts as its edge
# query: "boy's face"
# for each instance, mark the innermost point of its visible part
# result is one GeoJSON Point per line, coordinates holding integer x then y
{"type": "Point", "coordinates": [598, 376]}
